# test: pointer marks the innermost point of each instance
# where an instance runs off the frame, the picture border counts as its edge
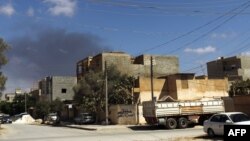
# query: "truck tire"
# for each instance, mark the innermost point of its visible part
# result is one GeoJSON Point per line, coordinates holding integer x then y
{"type": "Point", "coordinates": [182, 122]}
{"type": "Point", "coordinates": [171, 123]}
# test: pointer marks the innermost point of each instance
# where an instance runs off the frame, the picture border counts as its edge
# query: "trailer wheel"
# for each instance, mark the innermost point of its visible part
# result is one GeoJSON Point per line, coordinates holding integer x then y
{"type": "Point", "coordinates": [182, 122]}
{"type": "Point", "coordinates": [171, 123]}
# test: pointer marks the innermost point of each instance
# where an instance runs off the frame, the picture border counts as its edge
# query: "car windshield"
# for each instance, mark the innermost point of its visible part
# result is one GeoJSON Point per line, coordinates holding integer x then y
{"type": "Point", "coordinates": [239, 117]}
{"type": "Point", "coordinates": [89, 115]}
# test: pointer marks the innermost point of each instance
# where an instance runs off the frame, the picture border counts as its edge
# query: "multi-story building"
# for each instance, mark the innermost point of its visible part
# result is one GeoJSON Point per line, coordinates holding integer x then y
{"type": "Point", "coordinates": [9, 97]}
{"type": "Point", "coordinates": [53, 87]}
{"type": "Point", "coordinates": [235, 68]}
{"type": "Point", "coordinates": [125, 63]}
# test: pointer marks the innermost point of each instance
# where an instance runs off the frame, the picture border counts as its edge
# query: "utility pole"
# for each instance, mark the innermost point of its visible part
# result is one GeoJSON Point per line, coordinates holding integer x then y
{"type": "Point", "coordinates": [25, 99]}
{"type": "Point", "coordinates": [106, 93]}
{"type": "Point", "coordinates": [151, 76]}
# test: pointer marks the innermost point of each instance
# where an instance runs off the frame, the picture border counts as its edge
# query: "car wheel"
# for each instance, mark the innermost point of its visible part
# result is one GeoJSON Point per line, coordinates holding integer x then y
{"type": "Point", "coordinates": [171, 123]}
{"type": "Point", "coordinates": [210, 132]}
{"type": "Point", "coordinates": [182, 122]}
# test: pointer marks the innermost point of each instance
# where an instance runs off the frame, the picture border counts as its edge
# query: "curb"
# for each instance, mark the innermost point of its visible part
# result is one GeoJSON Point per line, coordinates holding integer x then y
{"type": "Point", "coordinates": [94, 127]}
{"type": "Point", "coordinates": [78, 127]}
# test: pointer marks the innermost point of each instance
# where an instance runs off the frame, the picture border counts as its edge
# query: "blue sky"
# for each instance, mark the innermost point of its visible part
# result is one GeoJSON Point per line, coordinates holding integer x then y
{"type": "Point", "coordinates": [49, 36]}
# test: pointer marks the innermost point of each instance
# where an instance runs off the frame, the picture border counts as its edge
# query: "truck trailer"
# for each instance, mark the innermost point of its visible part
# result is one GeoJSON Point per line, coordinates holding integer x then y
{"type": "Point", "coordinates": [180, 114]}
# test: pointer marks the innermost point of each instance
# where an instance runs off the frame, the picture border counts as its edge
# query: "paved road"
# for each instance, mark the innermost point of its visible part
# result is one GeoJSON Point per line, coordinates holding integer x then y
{"type": "Point", "coordinates": [19, 132]}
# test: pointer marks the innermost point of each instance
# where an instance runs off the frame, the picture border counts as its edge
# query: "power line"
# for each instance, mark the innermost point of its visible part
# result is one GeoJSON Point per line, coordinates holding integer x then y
{"type": "Point", "coordinates": [198, 28]}
{"type": "Point", "coordinates": [228, 54]}
{"type": "Point", "coordinates": [213, 29]}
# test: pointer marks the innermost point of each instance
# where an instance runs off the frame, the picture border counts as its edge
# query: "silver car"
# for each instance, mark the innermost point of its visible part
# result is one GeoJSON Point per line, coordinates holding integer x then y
{"type": "Point", "coordinates": [215, 124]}
{"type": "Point", "coordinates": [85, 118]}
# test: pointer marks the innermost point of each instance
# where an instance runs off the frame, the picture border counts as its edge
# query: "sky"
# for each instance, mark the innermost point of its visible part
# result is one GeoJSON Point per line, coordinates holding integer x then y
{"type": "Point", "coordinates": [48, 37]}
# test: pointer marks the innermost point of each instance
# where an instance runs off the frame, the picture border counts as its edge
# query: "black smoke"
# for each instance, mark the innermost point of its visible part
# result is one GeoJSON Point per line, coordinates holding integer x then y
{"type": "Point", "coordinates": [51, 52]}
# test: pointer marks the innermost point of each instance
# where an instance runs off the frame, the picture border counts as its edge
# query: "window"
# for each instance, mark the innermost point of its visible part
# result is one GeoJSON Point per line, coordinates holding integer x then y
{"type": "Point", "coordinates": [64, 90]}
{"type": "Point", "coordinates": [219, 118]}
{"type": "Point", "coordinates": [215, 118]}
{"type": "Point", "coordinates": [233, 67]}
{"type": "Point", "coordinates": [223, 118]}
{"type": "Point", "coordinates": [239, 117]}
{"type": "Point", "coordinates": [79, 69]}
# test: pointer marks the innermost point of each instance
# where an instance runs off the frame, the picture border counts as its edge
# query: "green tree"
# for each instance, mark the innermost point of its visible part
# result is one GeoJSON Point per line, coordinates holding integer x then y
{"type": "Point", "coordinates": [56, 106]}
{"type": "Point", "coordinates": [119, 86]}
{"type": "Point", "coordinates": [18, 104]}
{"type": "Point", "coordinates": [240, 88]}
{"type": "Point", "coordinates": [3, 60]}
{"type": "Point", "coordinates": [6, 107]}
{"type": "Point", "coordinates": [42, 109]}
{"type": "Point", "coordinates": [90, 91]}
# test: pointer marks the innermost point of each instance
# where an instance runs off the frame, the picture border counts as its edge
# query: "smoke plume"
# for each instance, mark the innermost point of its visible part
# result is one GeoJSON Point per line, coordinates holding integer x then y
{"type": "Point", "coordinates": [51, 52]}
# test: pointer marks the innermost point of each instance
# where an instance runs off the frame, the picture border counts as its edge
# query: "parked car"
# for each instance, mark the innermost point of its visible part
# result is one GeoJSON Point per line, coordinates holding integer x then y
{"type": "Point", "coordinates": [52, 118]}
{"type": "Point", "coordinates": [85, 118]}
{"type": "Point", "coordinates": [5, 119]}
{"type": "Point", "coordinates": [18, 116]}
{"type": "Point", "coordinates": [215, 124]}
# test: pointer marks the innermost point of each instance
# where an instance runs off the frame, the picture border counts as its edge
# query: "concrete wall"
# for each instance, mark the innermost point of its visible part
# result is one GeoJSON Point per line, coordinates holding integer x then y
{"type": "Point", "coordinates": [245, 67]}
{"type": "Point", "coordinates": [242, 103]}
{"type": "Point", "coordinates": [9, 97]}
{"type": "Point", "coordinates": [228, 104]}
{"type": "Point", "coordinates": [139, 66]}
{"type": "Point", "coordinates": [192, 89]}
{"type": "Point", "coordinates": [235, 68]}
{"type": "Point", "coordinates": [123, 114]}
{"type": "Point", "coordinates": [145, 88]}
{"type": "Point", "coordinates": [182, 87]}
{"type": "Point", "coordinates": [62, 87]}
{"type": "Point", "coordinates": [162, 65]}
{"type": "Point", "coordinates": [141, 119]}
{"type": "Point", "coordinates": [121, 60]}
{"type": "Point", "coordinates": [57, 87]}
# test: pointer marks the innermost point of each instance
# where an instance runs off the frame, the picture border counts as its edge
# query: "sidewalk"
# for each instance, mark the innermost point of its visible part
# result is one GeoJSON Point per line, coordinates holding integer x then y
{"type": "Point", "coordinates": [95, 127]}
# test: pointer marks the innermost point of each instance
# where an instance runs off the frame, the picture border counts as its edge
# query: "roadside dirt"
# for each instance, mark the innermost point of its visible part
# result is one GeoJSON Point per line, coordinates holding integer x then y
{"type": "Point", "coordinates": [3, 131]}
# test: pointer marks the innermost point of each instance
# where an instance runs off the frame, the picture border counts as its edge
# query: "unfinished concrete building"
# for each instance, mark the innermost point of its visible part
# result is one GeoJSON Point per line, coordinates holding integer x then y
{"type": "Point", "coordinates": [53, 87]}
{"type": "Point", "coordinates": [235, 68]}
{"type": "Point", "coordinates": [125, 63]}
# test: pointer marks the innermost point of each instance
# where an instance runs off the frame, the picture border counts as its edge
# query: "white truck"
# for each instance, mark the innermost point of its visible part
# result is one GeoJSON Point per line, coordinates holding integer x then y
{"type": "Point", "coordinates": [180, 114]}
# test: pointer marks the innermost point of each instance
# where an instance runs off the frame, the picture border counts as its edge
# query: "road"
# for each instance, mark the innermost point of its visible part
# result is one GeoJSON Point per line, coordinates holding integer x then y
{"type": "Point", "coordinates": [20, 132]}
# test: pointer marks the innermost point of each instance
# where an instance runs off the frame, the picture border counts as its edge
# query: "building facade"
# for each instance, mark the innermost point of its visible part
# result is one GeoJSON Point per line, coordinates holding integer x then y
{"type": "Point", "coordinates": [125, 63]}
{"type": "Point", "coordinates": [53, 87]}
{"type": "Point", "coordinates": [9, 97]}
{"type": "Point", "coordinates": [181, 87]}
{"type": "Point", "coordinates": [235, 68]}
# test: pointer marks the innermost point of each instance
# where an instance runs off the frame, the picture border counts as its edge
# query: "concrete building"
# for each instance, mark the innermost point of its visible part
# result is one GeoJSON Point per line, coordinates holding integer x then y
{"type": "Point", "coordinates": [235, 68]}
{"type": "Point", "coordinates": [181, 87]}
{"type": "Point", "coordinates": [189, 87]}
{"type": "Point", "coordinates": [125, 63]}
{"type": "Point", "coordinates": [9, 97]}
{"type": "Point", "coordinates": [178, 87]}
{"type": "Point", "coordinates": [53, 87]}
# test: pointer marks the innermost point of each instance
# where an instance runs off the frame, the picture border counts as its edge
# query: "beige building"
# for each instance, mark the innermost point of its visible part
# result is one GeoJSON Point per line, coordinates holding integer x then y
{"type": "Point", "coordinates": [9, 97]}
{"type": "Point", "coordinates": [181, 87]}
{"type": "Point", "coordinates": [125, 63]}
{"type": "Point", "coordinates": [235, 68]}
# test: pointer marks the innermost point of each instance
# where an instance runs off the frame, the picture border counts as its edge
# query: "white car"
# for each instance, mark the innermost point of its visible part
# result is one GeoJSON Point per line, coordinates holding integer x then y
{"type": "Point", "coordinates": [215, 124]}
